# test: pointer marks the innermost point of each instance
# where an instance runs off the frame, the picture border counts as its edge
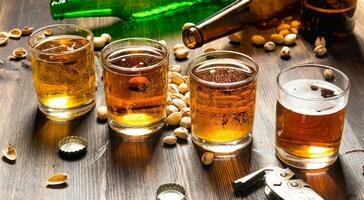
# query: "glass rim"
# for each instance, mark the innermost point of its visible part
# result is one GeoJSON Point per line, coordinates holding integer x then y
{"type": "Point", "coordinates": [233, 84]}
{"type": "Point", "coordinates": [112, 66]}
{"type": "Point", "coordinates": [58, 25]}
{"type": "Point", "coordinates": [343, 93]}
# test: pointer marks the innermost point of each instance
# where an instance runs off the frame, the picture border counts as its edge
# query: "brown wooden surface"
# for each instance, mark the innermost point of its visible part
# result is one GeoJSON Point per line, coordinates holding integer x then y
{"type": "Point", "coordinates": [115, 169]}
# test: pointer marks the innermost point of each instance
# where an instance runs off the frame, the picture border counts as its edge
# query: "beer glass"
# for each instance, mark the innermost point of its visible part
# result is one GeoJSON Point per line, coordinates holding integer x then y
{"type": "Point", "coordinates": [62, 57]}
{"type": "Point", "coordinates": [223, 90]}
{"type": "Point", "coordinates": [310, 115]}
{"type": "Point", "coordinates": [135, 84]}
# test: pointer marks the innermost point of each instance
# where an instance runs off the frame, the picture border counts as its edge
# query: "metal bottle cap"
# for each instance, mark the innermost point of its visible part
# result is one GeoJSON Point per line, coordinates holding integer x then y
{"type": "Point", "coordinates": [72, 147]}
{"type": "Point", "coordinates": [171, 191]}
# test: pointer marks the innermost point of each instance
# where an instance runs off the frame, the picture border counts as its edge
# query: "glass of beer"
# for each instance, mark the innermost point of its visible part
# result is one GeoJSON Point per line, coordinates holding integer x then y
{"type": "Point", "coordinates": [223, 90]}
{"type": "Point", "coordinates": [63, 66]}
{"type": "Point", "coordinates": [135, 83]}
{"type": "Point", "coordinates": [311, 106]}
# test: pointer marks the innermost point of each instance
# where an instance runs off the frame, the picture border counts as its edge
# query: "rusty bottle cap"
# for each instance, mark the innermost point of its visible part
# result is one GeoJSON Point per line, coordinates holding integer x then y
{"type": "Point", "coordinates": [72, 147]}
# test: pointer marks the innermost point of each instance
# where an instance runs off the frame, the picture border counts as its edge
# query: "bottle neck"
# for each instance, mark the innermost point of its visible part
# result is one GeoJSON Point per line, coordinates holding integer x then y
{"type": "Point", "coordinates": [227, 21]}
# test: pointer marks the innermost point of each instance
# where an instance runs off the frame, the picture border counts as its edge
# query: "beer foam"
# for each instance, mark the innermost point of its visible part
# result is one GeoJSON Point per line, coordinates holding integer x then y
{"type": "Point", "coordinates": [300, 90]}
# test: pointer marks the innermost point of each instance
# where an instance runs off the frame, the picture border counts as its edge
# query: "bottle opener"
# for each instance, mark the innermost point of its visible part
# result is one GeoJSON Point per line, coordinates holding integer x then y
{"type": "Point", "coordinates": [279, 184]}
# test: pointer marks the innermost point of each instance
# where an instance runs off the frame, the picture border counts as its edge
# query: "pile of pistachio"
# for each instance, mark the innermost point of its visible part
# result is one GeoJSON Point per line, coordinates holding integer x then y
{"type": "Point", "coordinates": [15, 34]}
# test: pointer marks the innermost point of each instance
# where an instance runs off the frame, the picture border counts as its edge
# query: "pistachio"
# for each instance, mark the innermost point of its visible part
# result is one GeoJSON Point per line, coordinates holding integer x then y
{"type": "Point", "coordinates": [320, 41]}
{"type": "Point", "coordinates": [99, 42]}
{"type": "Point", "coordinates": [177, 78]}
{"type": "Point", "coordinates": [284, 32]}
{"type": "Point", "coordinates": [57, 179]}
{"type": "Point", "coordinates": [26, 31]}
{"type": "Point", "coordinates": [15, 33]}
{"type": "Point", "coordinates": [295, 24]}
{"type": "Point", "coordinates": [4, 36]}
{"type": "Point", "coordinates": [186, 112]}
{"type": "Point", "coordinates": [178, 46]}
{"type": "Point", "coordinates": [10, 152]}
{"type": "Point", "coordinates": [277, 38]}
{"type": "Point", "coordinates": [285, 52]}
{"type": "Point", "coordinates": [102, 112]}
{"type": "Point", "coordinates": [18, 53]}
{"type": "Point", "coordinates": [187, 98]}
{"type": "Point", "coordinates": [181, 53]}
{"type": "Point", "coordinates": [269, 46]}
{"type": "Point", "coordinates": [283, 27]}
{"type": "Point", "coordinates": [187, 25]}
{"type": "Point", "coordinates": [258, 40]}
{"type": "Point", "coordinates": [181, 133]}
{"type": "Point", "coordinates": [179, 103]}
{"type": "Point", "coordinates": [210, 49]}
{"type": "Point", "coordinates": [207, 158]}
{"type": "Point", "coordinates": [174, 118]}
{"type": "Point", "coordinates": [48, 32]}
{"type": "Point", "coordinates": [175, 68]}
{"type": "Point", "coordinates": [328, 75]}
{"type": "Point", "coordinates": [235, 38]}
{"type": "Point", "coordinates": [171, 109]}
{"type": "Point", "coordinates": [320, 50]}
{"type": "Point", "coordinates": [106, 37]}
{"type": "Point", "coordinates": [183, 88]}
{"type": "Point", "coordinates": [173, 88]}
{"type": "Point", "coordinates": [294, 30]}
{"type": "Point", "coordinates": [185, 122]}
{"type": "Point", "coordinates": [290, 39]}
{"type": "Point", "coordinates": [170, 140]}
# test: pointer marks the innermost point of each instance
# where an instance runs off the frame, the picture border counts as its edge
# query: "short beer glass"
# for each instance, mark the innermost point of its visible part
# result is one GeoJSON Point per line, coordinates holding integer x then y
{"type": "Point", "coordinates": [223, 90]}
{"type": "Point", "coordinates": [135, 84]}
{"type": "Point", "coordinates": [62, 57]}
{"type": "Point", "coordinates": [311, 106]}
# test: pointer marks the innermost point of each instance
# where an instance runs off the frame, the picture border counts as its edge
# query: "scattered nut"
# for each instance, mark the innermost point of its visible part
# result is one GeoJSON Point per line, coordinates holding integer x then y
{"type": "Point", "coordinates": [26, 31]}
{"type": "Point", "coordinates": [177, 96]}
{"type": "Point", "coordinates": [178, 46]}
{"type": "Point", "coordinates": [277, 38]}
{"type": "Point", "coordinates": [48, 32]}
{"type": "Point", "coordinates": [175, 68]}
{"type": "Point", "coordinates": [170, 140]}
{"type": "Point", "coordinates": [57, 179]}
{"type": "Point", "coordinates": [102, 112]}
{"type": "Point", "coordinates": [185, 122]}
{"type": "Point", "coordinates": [15, 33]}
{"type": "Point", "coordinates": [173, 88]}
{"type": "Point", "coordinates": [186, 112]}
{"type": "Point", "coordinates": [283, 27]}
{"type": "Point", "coordinates": [258, 40]}
{"type": "Point", "coordinates": [171, 109]}
{"type": "Point", "coordinates": [179, 103]}
{"type": "Point", "coordinates": [177, 78]}
{"type": "Point", "coordinates": [210, 49]}
{"type": "Point", "coordinates": [181, 133]}
{"type": "Point", "coordinates": [320, 50]}
{"type": "Point", "coordinates": [10, 152]}
{"type": "Point", "coordinates": [99, 42]}
{"type": "Point", "coordinates": [284, 32]}
{"type": "Point", "coordinates": [174, 118]}
{"type": "Point", "coordinates": [106, 37]}
{"type": "Point", "coordinates": [320, 41]}
{"type": "Point", "coordinates": [295, 24]}
{"type": "Point", "coordinates": [187, 25]}
{"type": "Point", "coordinates": [269, 46]}
{"type": "Point", "coordinates": [207, 158]}
{"type": "Point", "coordinates": [285, 52]}
{"type": "Point", "coordinates": [4, 36]}
{"type": "Point", "coordinates": [290, 39]}
{"type": "Point", "coordinates": [328, 75]}
{"type": "Point", "coordinates": [181, 53]}
{"type": "Point", "coordinates": [18, 53]}
{"type": "Point", "coordinates": [183, 88]}
{"type": "Point", "coordinates": [235, 38]}
{"type": "Point", "coordinates": [187, 98]}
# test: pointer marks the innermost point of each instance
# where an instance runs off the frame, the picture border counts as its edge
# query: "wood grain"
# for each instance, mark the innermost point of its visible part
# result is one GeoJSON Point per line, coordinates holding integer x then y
{"type": "Point", "coordinates": [116, 169]}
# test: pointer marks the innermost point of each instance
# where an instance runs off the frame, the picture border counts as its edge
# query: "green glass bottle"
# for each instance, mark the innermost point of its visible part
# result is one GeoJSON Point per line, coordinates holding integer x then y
{"type": "Point", "coordinates": [126, 9]}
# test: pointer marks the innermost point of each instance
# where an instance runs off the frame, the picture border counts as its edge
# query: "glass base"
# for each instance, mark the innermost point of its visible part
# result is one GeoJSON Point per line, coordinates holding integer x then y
{"type": "Point", "coordinates": [135, 132]}
{"type": "Point", "coordinates": [306, 163]}
{"type": "Point", "coordinates": [226, 149]}
{"type": "Point", "coordinates": [66, 114]}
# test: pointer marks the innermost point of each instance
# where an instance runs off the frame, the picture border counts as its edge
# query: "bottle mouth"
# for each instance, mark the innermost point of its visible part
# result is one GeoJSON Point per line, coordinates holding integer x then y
{"type": "Point", "coordinates": [56, 7]}
{"type": "Point", "coordinates": [192, 37]}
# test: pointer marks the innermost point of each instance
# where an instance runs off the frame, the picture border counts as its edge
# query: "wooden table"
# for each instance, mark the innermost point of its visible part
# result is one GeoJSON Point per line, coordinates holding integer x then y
{"type": "Point", "coordinates": [115, 169]}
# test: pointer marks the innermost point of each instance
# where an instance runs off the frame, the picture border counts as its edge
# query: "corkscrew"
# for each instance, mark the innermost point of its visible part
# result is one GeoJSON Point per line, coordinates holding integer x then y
{"type": "Point", "coordinates": [279, 184]}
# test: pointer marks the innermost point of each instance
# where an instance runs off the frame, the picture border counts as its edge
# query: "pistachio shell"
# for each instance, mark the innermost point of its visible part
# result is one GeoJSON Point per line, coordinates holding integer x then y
{"type": "Point", "coordinates": [235, 38]}
{"type": "Point", "coordinates": [102, 112]}
{"type": "Point", "coordinates": [99, 42]}
{"type": "Point", "coordinates": [328, 75]}
{"type": "Point", "coordinates": [179, 103]}
{"type": "Point", "coordinates": [10, 152]}
{"type": "Point", "coordinates": [277, 38]}
{"type": "Point", "coordinates": [290, 39]}
{"type": "Point", "coordinates": [258, 40]}
{"type": "Point", "coordinates": [27, 30]}
{"type": "Point", "coordinates": [48, 32]}
{"type": "Point", "coordinates": [174, 118]}
{"type": "Point", "coordinates": [207, 158]}
{"type": "Point", "coordinates": [177, 78]}
{"type": "Point", "coordinates": [4, 36]}
{"type": "Point", "coordinates": [320, 50]}
{"type": "Point", "coordinates": [187, 98]}
{"type": "Point", "coordinates": [173, 88]}
{"type": "Point", "coordinates": [284, 32]}
{"type": "Point", "coordinates": [57, 179]}
{"type": "Point", "coordinates": [285, 52]}
{"type": "Point", "coordinates": [171, 109]}
{"type": "Point", "coordinates": [19, 53]}
{"type": "Point", "coordinates": [181, 133]}
{"type": "Point", "coordinates": [170, 140]}
{"type": "Point", "coordinates": [181, 53]}
{"type": "Point", "coordinates": [178, 46]}
{"type": "Point", "coordinates": [210, 49]}
{"type": "Point", "coordinates": [283, 27]}
{"type": "Point", "coordinates": [15, 33]}
{"type": "Point", "coordinates": [186, 112]}
{"type": "Point", "coordinates": [185, 122]}
{"type": "Point", "coordinates": [183, 88]}
{"type": "Point", "coordinates": [106, 37]}
{"type": "Point", "coordinates": [320, 41]}
{"type": "Point", "coordinates": [175, 68]}
{"type": "Point", "coordinates": [269, 46]}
